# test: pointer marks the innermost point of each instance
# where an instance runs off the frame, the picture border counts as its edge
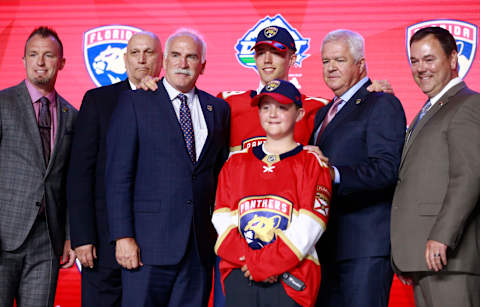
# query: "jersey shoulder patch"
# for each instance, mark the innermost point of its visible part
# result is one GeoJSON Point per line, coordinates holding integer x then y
{"type": "Point", "coordinates": [227, 94]}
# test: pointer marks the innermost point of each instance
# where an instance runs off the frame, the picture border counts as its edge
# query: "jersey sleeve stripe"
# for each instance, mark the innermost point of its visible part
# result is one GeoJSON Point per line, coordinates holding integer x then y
{"type": "Point", "coordinates": [222, 237]}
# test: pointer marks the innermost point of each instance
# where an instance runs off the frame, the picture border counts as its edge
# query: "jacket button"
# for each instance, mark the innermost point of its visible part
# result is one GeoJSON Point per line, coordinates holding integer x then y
{"type": "Point", "coordinates": [194, 177]}
{"type": "Point", "coordinates": [189, 202]}
{"type": "Point", "coordinates": [38, 204]}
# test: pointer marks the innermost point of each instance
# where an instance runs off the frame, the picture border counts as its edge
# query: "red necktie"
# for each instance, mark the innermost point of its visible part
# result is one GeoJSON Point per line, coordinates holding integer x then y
{"type": "Point", "coordinates": [330, 115]}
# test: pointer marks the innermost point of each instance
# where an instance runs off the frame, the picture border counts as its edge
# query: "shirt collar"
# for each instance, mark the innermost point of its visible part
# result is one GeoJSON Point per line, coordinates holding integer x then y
{"type": "Point", "coordinates": [173, 92]}
{"type": "Point", "coordinates": [449, 85]}
{"type": "Point", "coordinates": [132, 86]}
{"type": "Point", "coordinates": [348, 94]}
{"type": "Point", "coordinates": [35, 94]}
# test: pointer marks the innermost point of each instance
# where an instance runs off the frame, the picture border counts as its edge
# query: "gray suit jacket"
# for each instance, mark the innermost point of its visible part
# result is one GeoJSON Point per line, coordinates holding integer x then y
{"type": "Point", "coordinates": [438, 190]}
{"type": "Point", "coordinates": [24, 178]}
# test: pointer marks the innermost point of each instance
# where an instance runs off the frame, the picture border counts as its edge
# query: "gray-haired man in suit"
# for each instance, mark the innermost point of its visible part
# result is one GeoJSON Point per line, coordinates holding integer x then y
{"type": "Point", "coordinates": [35, 137]}
{"type": "Point", "coordinates": [435, 227]}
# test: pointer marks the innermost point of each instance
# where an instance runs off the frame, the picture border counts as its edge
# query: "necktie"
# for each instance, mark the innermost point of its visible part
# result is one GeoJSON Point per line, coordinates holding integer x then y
{"type": "Point", "coordinates": [330, 115]}
{"type": "Point", "coordinates": [187, 126]}
{"type": "Point", "coordinates": [44, 126]}
{"type": "Point", "coordinates": [423, 111]}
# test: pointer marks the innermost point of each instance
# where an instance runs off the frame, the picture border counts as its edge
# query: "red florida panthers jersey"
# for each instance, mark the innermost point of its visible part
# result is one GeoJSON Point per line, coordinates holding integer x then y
{"type": "Point", "coordinates": [270, 210]}
{"type": "Point", "coordinates": [245, 128]}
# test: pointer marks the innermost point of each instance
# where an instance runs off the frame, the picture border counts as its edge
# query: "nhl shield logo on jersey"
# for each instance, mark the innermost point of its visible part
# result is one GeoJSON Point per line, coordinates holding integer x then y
{"type": "Point", "coordinates": [261, 216]}
{"type": "Point", "coordinates": [464, 33]}
{"type": "Point", "coordinates": [245, 55]}
{"type": "Point", "coordinates": [103, 50]}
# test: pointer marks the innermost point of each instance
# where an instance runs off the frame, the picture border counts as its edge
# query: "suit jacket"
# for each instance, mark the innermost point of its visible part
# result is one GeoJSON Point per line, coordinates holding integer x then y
{"type": "Point", "coordinates": [364, 142]}
{"type": "Point", "coordinates": [86, 175]}
{"type": "Point", "coordinates": [24, 178]}
{"type": "Point", "coordinates": [154, 192]}
{"type": "Point", "coordinates": [438, 190]}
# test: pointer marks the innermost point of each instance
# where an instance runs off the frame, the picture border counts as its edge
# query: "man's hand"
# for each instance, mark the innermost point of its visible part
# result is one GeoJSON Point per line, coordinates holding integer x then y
{"type": "Point", "coordinates": [127, 253]}
{"type": "Point", "coordinates": [316, 150]}
{"type": "Point", "coordinates": [435, 255]}
{"type": "Point", "coordinates": [149, 83]}
{"type": "Point", "coordinates": [68, 257]}
{"type": "Point", "coordinates": [380, 86]}
{"type": "Point", "coordinates": [86, 253]}
{"type": "Point", "coordinates": [246, 273]}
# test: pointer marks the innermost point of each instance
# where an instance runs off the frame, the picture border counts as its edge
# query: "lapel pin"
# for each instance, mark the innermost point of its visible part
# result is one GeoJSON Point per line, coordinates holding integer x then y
{"type": "Point", "coordinates": [358, 101]}
{"type": "Point", "coordinates": [64, 109]}
{"type": "Point", "coordinates": [441, 103]}
{"type": "Point", "coordinates": [210, 107]}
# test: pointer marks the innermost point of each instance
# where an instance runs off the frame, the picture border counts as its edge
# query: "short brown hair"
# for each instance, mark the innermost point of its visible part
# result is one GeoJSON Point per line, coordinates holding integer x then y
{"type": "Point", "coordinates": [444, 37]}
{"type": "Point", "coordinates": [44, 32]}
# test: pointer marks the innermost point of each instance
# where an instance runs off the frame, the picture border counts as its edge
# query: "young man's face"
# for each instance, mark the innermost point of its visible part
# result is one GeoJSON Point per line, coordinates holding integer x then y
{"type": "Point", "coordinates": [273, 63]}
{"type": "Point", "coordinates": [278, 120]}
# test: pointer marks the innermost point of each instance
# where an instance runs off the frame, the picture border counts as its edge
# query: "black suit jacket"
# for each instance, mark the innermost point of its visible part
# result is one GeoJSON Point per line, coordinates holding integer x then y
{"type": "Point", "coordinates": [85, 184]}
{"type": "Point", "coordinates": [154, 192]}
{"type": "Point", "coordinates": [364, 142]}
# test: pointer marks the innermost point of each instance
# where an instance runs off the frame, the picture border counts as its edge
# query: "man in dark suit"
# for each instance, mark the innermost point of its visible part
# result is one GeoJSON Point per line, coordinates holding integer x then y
{"type": "Point", "coordinates": [164, 152]}
{"type": "Point", "coordinates": [101, 274]}
{"type": "Point", "coordinates": [436, 208]}
{"type": "Point", "coordinates": [35, 137]}
{"type": "Point", "coordinates": [362, 135]}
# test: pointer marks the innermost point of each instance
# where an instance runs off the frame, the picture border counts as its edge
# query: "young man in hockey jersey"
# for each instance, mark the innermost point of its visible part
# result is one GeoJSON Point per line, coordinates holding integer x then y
{"type": "Point", "coordinates": [271, 208]}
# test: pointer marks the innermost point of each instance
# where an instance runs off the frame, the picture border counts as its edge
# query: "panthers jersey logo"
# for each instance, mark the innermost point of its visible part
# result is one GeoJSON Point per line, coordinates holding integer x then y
{"type": "Point", "coordinates": [261, 216]}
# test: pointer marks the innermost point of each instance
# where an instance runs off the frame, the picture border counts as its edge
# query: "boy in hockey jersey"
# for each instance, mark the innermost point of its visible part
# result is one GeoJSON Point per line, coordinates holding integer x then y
{"type": "Point", "coordinates": [271, 208]}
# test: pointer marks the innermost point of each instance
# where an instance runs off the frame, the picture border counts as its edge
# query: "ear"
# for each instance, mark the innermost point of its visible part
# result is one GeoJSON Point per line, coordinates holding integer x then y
{"type": "Point", "coordinates": [453, 60]}
{"type": "Point", "coordinates": [300, 114]}
{"type": "Point", "coordinates": [62, 64]}
{"type": "Point", "coordinates": [292, 59]}
{"type": "Point", "coordinates": [203, 67]}
{"type": "Point", "coordinates": [361, 66]}
{"type": "Point", "coordinates": [24, 63]}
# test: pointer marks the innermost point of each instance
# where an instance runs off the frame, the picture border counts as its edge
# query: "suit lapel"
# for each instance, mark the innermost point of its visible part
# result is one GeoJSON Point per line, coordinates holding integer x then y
{"type": "Point", "coordinates": [165, 104]}
{"type": "Point", "coordinates": [411, 135]}
{"type": "Point", "coordinates": [208, 109]}
{"type": "Point", "coordinates": [347, 109]}
{"type": "Point", "coordinates": [62, 117]}
{"type": "Point", "coordinates": [30, 122]}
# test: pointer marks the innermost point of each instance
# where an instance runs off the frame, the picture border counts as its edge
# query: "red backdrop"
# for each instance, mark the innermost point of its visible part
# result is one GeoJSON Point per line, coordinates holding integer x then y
{"type": "Point", "coordinates": [223, 24]}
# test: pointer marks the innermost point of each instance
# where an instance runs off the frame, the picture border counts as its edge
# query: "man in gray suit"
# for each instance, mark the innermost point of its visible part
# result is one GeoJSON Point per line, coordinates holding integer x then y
{"type": "Point", "coordinates": [435, 227]}
{"type": "Point", "coordinates": [35, 136]}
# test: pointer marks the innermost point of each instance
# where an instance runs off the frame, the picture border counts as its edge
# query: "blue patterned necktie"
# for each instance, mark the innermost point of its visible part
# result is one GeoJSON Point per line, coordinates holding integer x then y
{"type": "Point", "coordinates": [423, 111]}
{"type": "Point", "coordinates": [187, 126]}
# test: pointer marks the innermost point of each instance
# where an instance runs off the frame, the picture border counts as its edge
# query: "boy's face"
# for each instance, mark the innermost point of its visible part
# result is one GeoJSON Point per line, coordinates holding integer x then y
{"type": "Point", "coordinates": [278, 120]}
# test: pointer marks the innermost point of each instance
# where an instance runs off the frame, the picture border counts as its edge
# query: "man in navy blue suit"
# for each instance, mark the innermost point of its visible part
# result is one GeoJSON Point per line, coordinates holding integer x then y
{"type": "Point", "coordinates": [164, 151]}
{"type": "Point", "coordinates": [362, 135]}
{"type": "Point", "coordinates": [101, 274]}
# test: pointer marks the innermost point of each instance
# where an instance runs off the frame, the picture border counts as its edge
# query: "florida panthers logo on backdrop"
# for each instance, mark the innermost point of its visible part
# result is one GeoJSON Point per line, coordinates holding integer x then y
{"type": "Point", "coordinates": [464, 33]}
{"type": "Point", "coordinates": [261, 216]}
{"type": "Point", "coordinates": [244, 44]}
{"type": "Point", "coordinates": [103, 50]}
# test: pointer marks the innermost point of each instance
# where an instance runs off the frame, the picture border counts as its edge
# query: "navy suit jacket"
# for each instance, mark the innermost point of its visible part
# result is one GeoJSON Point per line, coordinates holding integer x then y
{"type": "Point", "coordinates": [85, 181]}
{"type": "Point", "coordinates": [364, 142]}
{"type": "Point", "coordinates": [154, 192]}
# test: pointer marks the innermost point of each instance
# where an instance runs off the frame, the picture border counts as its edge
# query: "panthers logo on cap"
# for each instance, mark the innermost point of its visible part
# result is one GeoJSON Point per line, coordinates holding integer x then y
{"type": "Point", "coordinates": [465, 35]}
{"type": "Point", "coordinates": [270, 32]}
{"type": "Point", "coordinates": [245, 55]}
{"type": "Point", "coordinates": [103, 50]}
{"type": "Point", "coordinates": [272, 85]}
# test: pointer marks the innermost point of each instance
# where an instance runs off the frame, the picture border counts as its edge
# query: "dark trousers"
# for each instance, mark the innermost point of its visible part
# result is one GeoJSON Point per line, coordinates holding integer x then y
{"type": "Point", "coordinates": [218, 296]}
{"type": "Point", "coordinates": [185, 284]}
{"type": "Point", "coordinates": [29, 274]}
{"type": "Point", "coordinates": [240, 291]}
{"type": "Point", "coordinates": [101, 286]}
{"type": "Point", "coordinates": [356, 282]}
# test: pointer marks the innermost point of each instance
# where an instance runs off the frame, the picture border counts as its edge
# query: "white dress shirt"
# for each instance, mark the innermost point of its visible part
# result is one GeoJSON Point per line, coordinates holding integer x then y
{"type": "Point", "coordinates": [200, 129]}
